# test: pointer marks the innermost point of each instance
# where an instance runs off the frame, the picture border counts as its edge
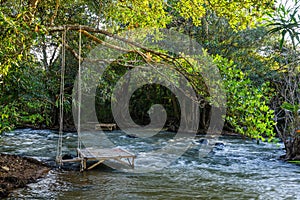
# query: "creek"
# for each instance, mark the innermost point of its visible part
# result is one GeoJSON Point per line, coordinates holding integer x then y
{"type": "Point", "coordinates": [235, 169]}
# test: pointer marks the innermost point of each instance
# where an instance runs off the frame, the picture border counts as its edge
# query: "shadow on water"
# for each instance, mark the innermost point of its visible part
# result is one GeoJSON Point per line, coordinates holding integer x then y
{"type": "Point", "coordinates": [234, 169]}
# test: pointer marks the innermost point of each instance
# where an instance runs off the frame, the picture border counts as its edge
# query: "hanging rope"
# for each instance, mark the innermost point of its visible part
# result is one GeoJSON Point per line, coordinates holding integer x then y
{"type": "Point", "coordinates": [61, 98]}
{"type": "Point", "coordinates": [79, 92]}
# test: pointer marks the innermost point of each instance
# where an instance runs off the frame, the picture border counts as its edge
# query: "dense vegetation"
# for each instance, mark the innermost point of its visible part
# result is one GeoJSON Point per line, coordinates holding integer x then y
{"type": "Point", "coordinates": [253, 43]}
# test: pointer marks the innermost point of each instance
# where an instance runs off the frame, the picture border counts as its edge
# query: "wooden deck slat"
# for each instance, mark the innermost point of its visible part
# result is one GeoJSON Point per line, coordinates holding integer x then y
{"type": "Point", "coordinates": [104, 153]}
{"type": "Point", "coordinates": [72, 160]}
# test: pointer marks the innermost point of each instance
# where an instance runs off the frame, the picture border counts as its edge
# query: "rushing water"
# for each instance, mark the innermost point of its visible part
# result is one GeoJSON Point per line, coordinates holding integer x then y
{"type": "Point", "coordinates": [239, 169]}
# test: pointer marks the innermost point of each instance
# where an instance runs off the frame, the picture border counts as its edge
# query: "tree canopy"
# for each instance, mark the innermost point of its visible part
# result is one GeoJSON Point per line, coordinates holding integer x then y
{"type": "Point", "coordinates": [236, 36]}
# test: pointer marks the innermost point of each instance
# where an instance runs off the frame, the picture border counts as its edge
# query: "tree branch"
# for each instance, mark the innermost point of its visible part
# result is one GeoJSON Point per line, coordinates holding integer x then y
{"type": "Point", "coordinates": [55, 13]}
{"type": "Point", "coordinates": [75, 54]}
{"type": "Point", "coordinates": [94, 38]}
{"type": "Point", "coordinates": [109, 34]}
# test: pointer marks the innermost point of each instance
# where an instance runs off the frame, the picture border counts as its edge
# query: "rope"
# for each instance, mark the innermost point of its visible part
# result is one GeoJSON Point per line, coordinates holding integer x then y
{"type": "Point", "coordinates": [79, 92]}
{"type": "Point", "coordinates": [61, 98]}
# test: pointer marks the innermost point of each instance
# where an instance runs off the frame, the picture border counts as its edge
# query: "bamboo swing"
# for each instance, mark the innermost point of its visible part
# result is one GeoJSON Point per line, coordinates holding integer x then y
{"type": "Point", "coordinates": [84, 154]}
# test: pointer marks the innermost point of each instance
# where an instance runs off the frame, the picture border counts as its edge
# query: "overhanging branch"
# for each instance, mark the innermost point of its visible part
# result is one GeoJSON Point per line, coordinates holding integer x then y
{"type": "Point", "coordinates": [86, 29]}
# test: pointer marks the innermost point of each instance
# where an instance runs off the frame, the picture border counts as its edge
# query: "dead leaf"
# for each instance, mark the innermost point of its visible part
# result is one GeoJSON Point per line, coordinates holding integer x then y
{"type": "Point", "coordinates": [5, 168]}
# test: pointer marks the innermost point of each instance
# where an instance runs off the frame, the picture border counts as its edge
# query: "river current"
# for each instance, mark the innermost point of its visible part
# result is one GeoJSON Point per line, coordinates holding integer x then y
{"type": "Point", "coordinates": [234, 169]}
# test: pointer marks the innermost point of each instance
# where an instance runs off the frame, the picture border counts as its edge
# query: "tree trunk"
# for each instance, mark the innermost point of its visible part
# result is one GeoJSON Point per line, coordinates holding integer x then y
{"type": "Point", "coordinates": [292, 148]}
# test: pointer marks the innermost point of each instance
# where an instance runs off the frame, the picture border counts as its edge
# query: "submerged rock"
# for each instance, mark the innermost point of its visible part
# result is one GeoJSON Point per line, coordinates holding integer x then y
{"type": "Point", "coordinates": [202, 141]}
{"type": "Point", "coordinates": [218, 145]}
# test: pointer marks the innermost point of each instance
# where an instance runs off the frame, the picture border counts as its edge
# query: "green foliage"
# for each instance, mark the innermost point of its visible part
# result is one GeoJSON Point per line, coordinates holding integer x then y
{"type": "Point", "coordinates": [286, 21]}
{"type": "Point", "coordinates": [241, 14]}
{"type": "Point", "coordinates": [249, 49]}
{"type": "Point", "coordinates": [17, 114]}
{"type": "Point", "coordinates": [23, 98]}
{"type": "Point", "coordinates": [29, 92]}
{"type": "Point", "coordinates": [157, 13]}
{"type": "Point", "coordinates": [247, 105]}
{"type": "Point", "coordinates": [193, 10]}
{"type": "Point", "coordinates": [147, 13]}
{"type": "Point", "coordinates": [290, 107]}
{"type": "Point", "coordinates": [15, 37]}
{"type": "Point", "coordinates": [8, 118]}
{"type": "Point", "coordinates": [297, 162]}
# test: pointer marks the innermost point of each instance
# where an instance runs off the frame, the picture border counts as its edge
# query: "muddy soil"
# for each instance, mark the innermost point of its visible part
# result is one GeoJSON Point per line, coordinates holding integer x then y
{"type": "Point", "coordinates": [16, 172]}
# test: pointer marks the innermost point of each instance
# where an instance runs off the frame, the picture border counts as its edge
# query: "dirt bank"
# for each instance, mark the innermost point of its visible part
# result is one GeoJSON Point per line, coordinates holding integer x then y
{"type": "Point", "coordinates": [16, 171]}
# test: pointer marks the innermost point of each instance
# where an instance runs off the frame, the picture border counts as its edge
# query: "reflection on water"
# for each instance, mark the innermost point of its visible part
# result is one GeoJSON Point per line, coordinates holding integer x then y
{"type": "Point", "coordinates": [239, 169]}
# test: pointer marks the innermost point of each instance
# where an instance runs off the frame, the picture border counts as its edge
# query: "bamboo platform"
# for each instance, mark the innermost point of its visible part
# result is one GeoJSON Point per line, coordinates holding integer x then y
{"type": "Point", "coordinates": [105, 127]}
{"type": "Point", "coordinates": [100, 155]}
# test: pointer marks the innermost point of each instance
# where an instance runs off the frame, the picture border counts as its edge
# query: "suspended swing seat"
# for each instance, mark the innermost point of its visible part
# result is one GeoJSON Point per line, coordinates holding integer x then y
{"type": "Point", "coordinates": [120, 155]}
{"type": "Point", "coordinates": [115, 155]}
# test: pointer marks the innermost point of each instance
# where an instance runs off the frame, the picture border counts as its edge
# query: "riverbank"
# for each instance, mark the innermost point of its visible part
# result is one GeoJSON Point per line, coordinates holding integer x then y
{"type": "Point", "coordinates": [17, 171]}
